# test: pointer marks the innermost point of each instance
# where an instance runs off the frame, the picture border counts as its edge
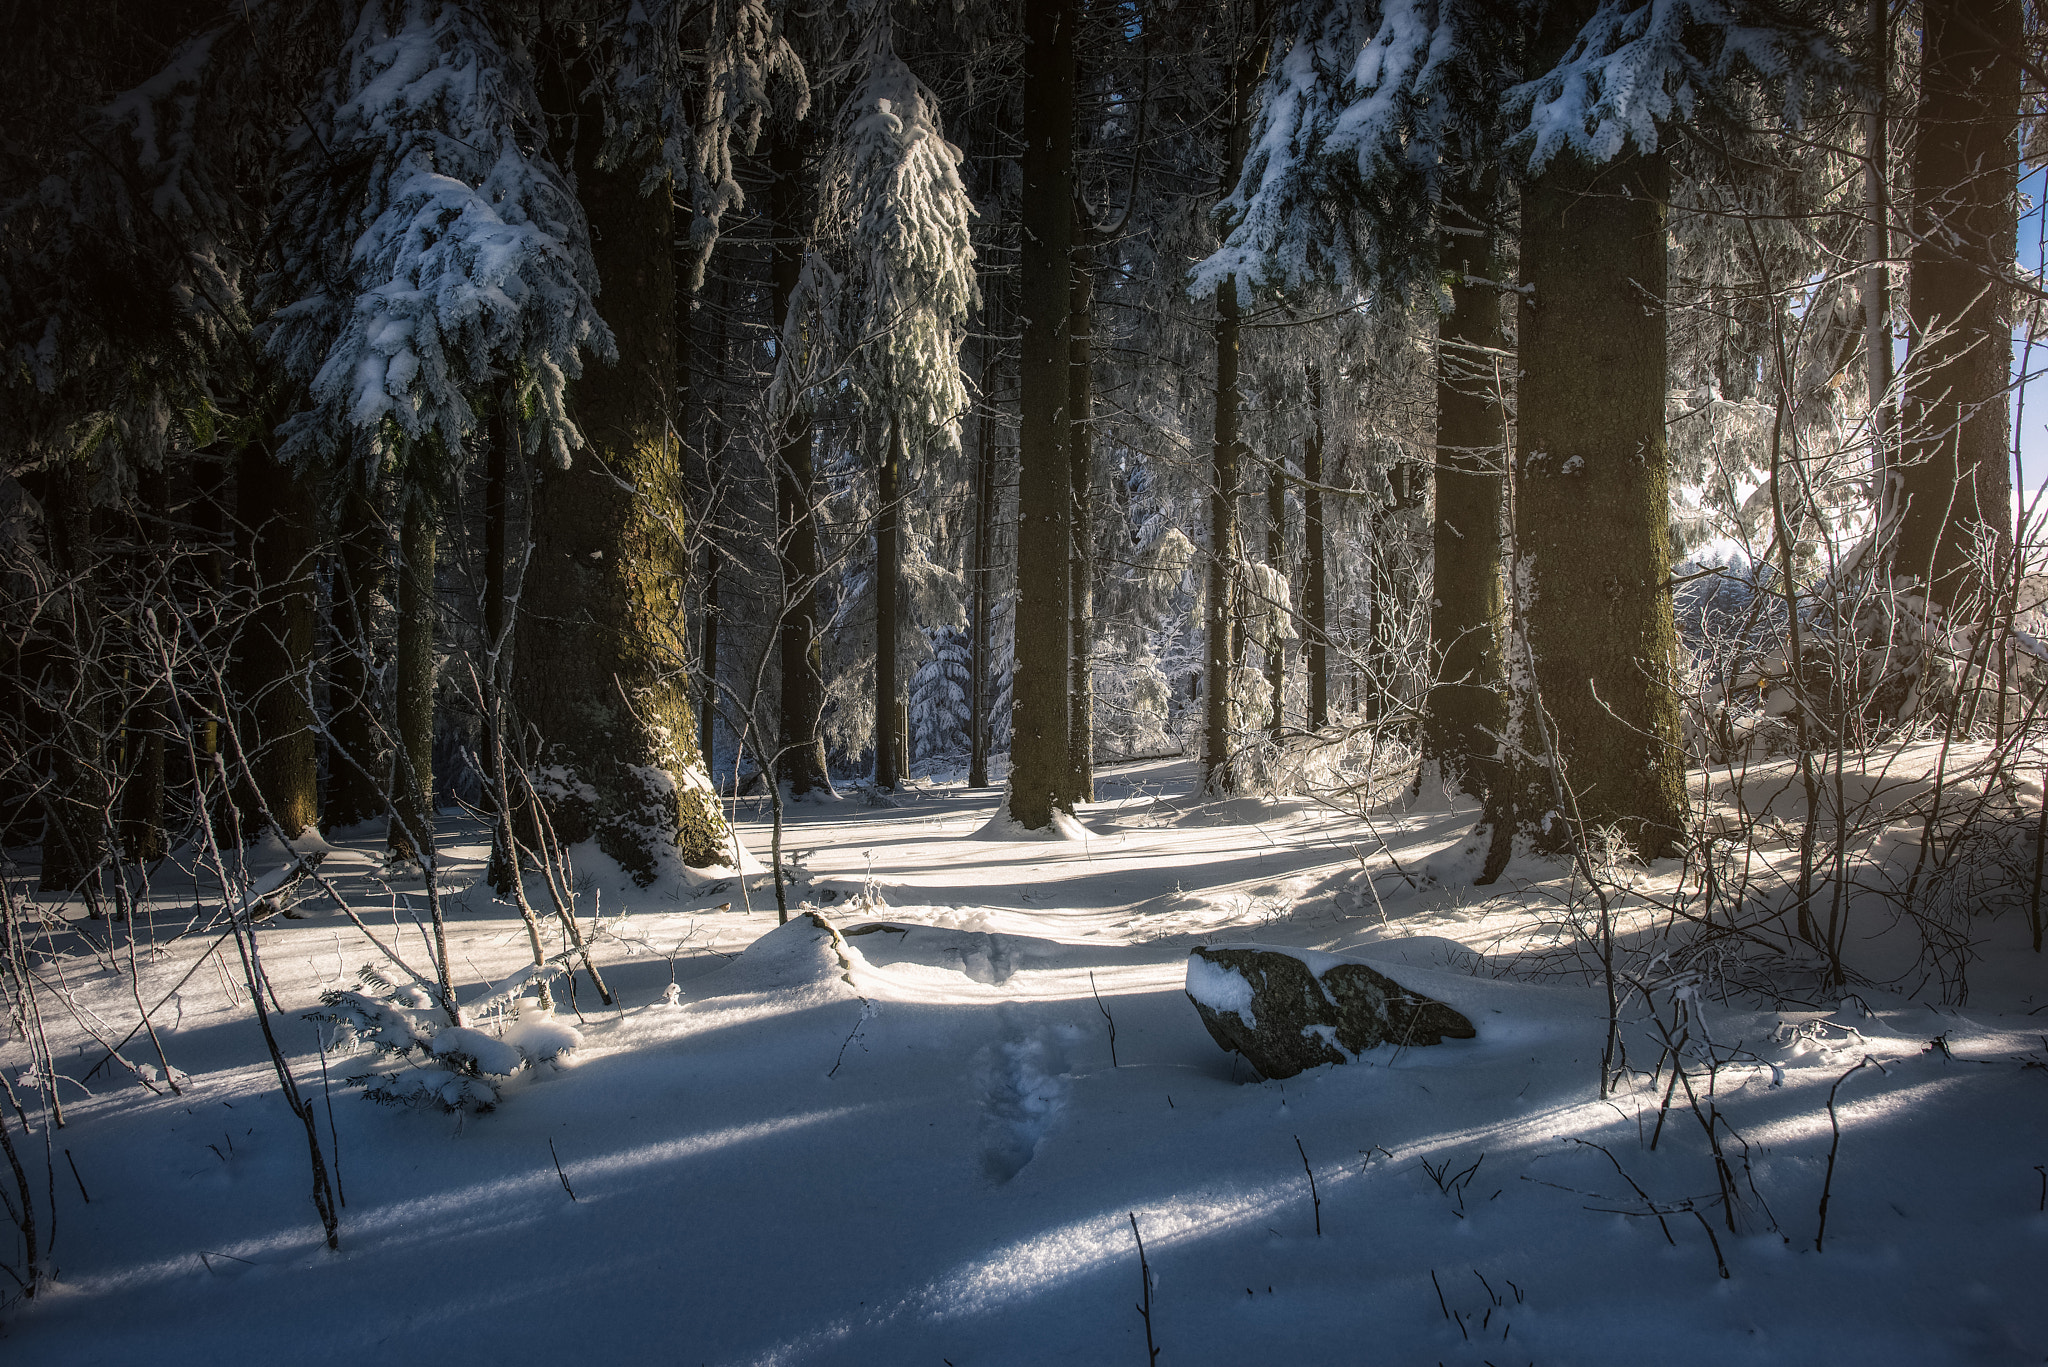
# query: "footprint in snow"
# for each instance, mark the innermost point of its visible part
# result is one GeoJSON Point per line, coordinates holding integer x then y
{"type": "Point", "coordinates": [1024, 1087]}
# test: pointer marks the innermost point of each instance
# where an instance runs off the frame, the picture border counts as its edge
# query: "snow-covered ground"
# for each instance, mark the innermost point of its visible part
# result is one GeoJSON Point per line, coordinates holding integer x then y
{"type": "Point", "coordinates": [912, 1145]}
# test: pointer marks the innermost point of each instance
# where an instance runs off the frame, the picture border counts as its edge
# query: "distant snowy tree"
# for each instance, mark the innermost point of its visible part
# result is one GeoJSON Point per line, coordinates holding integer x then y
{"type": "Point", "coordinates": [880, 307]}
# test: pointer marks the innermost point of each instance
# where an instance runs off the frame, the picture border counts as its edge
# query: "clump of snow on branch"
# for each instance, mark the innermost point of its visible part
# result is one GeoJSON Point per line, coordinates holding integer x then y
{"type": "Point", "coordinates": [437, 249]}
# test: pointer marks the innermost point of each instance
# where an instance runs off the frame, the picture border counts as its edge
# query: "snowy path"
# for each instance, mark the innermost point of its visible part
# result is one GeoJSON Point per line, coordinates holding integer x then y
{"type": "Point", "coordinates": [935, 1162]}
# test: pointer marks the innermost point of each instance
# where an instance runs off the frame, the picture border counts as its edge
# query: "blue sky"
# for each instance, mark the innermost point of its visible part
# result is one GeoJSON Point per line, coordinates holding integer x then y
{"type": "Point", "coordinates": [2031, 406]}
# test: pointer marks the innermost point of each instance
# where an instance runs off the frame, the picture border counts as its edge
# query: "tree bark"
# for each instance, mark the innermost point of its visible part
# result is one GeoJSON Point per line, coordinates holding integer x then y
{"type": "Point", "coordinates": [143, 838]}
{"type": "Point", "coordinates": [1592, 503]}
{"type": "Point", "coordinates": [1954, 480]}
{"type": "Point", "coordinates": [984, 566]}
{"type": "Point", "coordinates": [412, 775]}
{"type": "Point", "coordinates": [1315, 611]}
{"type": "Point", "coordinates": [357, 751]}
{"type": "Point", "coordinates": [1039, 750]}
{"type": "Point", "coordinates": [1467, 708]}
{"type": "Point", "coordinates": [1081, 490]}
{"type": "Point", "coordinates": [600, 673]}
{"type": "Point", "coordinates": [273, 650]}
{"type": "Point", "coordinates": [888, 595]}
{"type": "Point", "coordinates": [801, 759]}
{"type": "Point", "coordinates": [1223, 628]}
{"type": "Point", "coordinates": [1218, 720]}
{"type": "Point", "coordinates": [1276, 556]}
{"type": "Point", "coordinates": [76, 810]}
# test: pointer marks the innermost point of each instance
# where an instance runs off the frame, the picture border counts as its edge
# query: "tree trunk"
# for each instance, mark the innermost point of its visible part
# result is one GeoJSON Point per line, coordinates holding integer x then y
{"type": "Point", "coordinates": [143, 838]}
{"type": "Point", "coordinates": [1218, 726]}
{"type": "Point", "coordinates": [1224, 631]}
{"type": "Point", "coordinates": [412, 775]}
{"type": "Point", "coordinates": [984, 566]}
{"type": "Point", "coordinates": [801, 759]}
{"type": "Point", "coordinates": [1467, 707]}
{"type": "Point", "coordinates": [707, 660]}
{"type": "Point", "coordinates": [1592, 506]}
{"type": "Point", "coordinates": [1877, 250]}
{"type": "Point", "coordinates": [1315, 611]}
{"type": "Point", "coordinates": [1040, 757]}
{"type": "Point", "coordinates": [1954, 480]}
{"type": "Point", "coordinates": [888, 595]}
{"type": "Point", "coordinates": [600, 672]}
{"type": "Point", "coordinates": [273, 651]}
{"type": "Point", "coordinates": [1276, 556]}
{"type": "Point", "coordinates": [75, 812]}
{"type": "Point", "coordinates": [1081, 567]}
{"type": "Point", "coordinates": [357, 761]}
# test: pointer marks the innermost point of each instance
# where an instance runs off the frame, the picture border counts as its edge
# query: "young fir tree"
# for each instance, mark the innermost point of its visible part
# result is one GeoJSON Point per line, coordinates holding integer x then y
{"type": "Point", "coordinates": [888, 295]}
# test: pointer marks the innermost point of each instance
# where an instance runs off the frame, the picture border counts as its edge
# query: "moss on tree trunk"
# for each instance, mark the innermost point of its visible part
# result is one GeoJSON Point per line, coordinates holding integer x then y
{"type": "Point", "coordinates": [599, 678]}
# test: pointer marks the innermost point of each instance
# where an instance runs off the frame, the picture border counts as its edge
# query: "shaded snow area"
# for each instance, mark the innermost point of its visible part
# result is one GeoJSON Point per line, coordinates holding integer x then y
{"type": "Point", "coordinates": [893, 1133]}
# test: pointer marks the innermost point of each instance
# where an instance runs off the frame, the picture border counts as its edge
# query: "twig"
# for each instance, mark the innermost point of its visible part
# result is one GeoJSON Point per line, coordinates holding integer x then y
{"type": "Point", "coordinates": [1828, 1182]}
{"type": "Point", "coordinates": [558, 1170]}
{"type": "Point", "coordinates": [1313, 1195]}
{"type": "Point", "coordinates": [1144, 1307]}
{"type": "Point", "coordinates": [1106, 1016]}
{"type": "Point", "coordinates": [75, 1177]}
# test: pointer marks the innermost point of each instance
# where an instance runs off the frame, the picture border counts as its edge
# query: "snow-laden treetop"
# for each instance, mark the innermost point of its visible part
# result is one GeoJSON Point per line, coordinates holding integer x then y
{"type": "Point", "coordinates": [1373, 110]}
{"type": "Point", "coordinates": [432, 249]}
{"type": "Point", "coordinates": [890, 280]}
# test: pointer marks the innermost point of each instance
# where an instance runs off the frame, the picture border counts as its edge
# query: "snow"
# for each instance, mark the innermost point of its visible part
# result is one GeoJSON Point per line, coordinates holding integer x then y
{"type": "Point", "coordinates": [909, 1092]}
{"type": "Point", "coordinates": [1221, 989]}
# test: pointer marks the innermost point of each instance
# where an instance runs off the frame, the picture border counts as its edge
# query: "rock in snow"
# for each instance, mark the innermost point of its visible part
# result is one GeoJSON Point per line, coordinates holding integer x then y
{"type": "Point", "coordinates": [1290, 1009]}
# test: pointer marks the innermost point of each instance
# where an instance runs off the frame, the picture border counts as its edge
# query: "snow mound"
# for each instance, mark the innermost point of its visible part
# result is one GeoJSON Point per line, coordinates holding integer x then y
{"type": "Point", "coordinates": [1003, 826]}
{"type": "Point", "coordinates": [806, 953]}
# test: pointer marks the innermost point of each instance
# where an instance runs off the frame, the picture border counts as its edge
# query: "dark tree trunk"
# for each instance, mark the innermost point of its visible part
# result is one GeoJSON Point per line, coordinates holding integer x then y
{"type": "Point", "coordinates": [143, 838]}
{"type": "Point", "coordinates": [1225, 632]}
{"type": "Point", "coordinates": [1467, 708]}
{"type": "Point", "coordinates": [1276, 556]}
{"type": "Point", "coordinates": [984, 567]}
{"type": "Point", "coordinates": [1081, 567]}
{"type": "Point", "coordinates": [358, 761]}
{"type": "Point", "coordinates": [707, 660]}
{"type": "Point", "coordinates": [801, 760]}
{"type": "Point", "coordinates": [1592, 505]}
{"type": "Point", "coordinates": [1877, 250]}
{"type": "Point", "coordinates": [600, 672]}
{"type": "Point", "coordinates": [888, 599]}
{"type": "Point", "coordinates": [1315, 611]}
{"type": "Point", "coordinates": [76, 809]}
{"type": "Point", "coordinates": [1222, 615]}
{"type": "Point", "coordinates": [1954, 480]}
{"type": "Point", "coordinates": [412, 775]}
{"type": "Point", "coordinates": [1040, 757]}
{"type": "Point", "coordinates": [273, 652]}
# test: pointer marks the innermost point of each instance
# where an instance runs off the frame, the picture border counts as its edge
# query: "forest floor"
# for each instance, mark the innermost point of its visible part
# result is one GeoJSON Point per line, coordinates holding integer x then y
{"type": "Point", "coordinates": [920, 1148]}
